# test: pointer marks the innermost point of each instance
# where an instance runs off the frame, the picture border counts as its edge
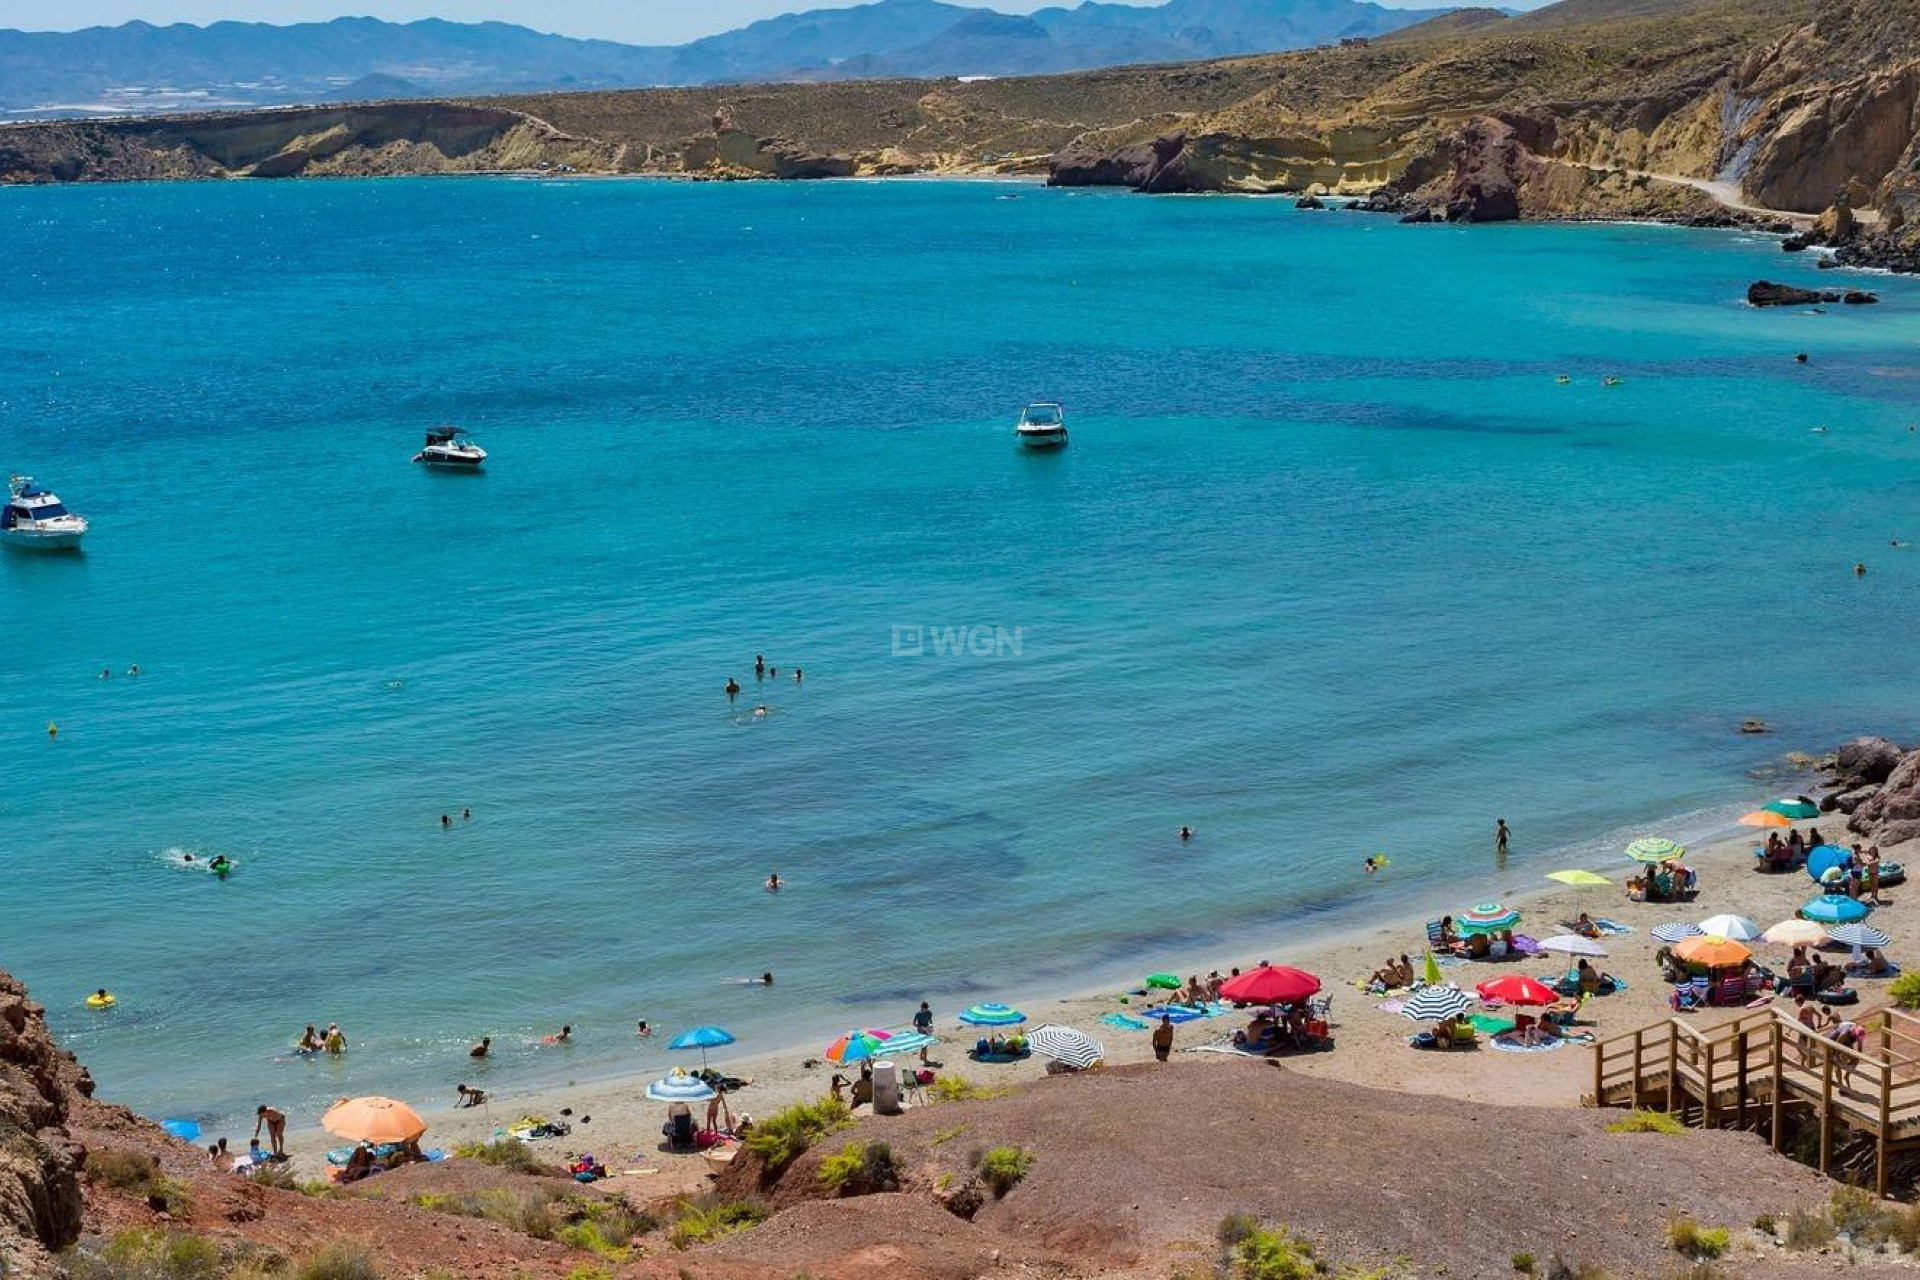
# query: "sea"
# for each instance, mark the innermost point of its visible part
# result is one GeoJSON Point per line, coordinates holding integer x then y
{"type": "Point", "coordinates": [1353, 551]}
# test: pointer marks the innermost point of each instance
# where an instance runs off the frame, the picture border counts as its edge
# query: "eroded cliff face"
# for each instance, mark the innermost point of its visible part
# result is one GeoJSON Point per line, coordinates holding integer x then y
{"type": "Point", "coordinates": [40, 1198]}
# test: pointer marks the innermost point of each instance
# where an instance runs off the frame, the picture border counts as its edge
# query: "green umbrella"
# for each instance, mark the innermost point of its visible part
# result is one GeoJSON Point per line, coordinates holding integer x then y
{"type": "Point", "coordinates": [1432, 975]}
{"type": "Point", "coordinates": [1655, 849]}
{"type": "Point", "coordinates": [1164, 981]}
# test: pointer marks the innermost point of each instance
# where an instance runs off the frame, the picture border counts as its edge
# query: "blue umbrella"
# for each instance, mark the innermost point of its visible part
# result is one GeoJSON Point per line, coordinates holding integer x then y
{"type": "Point", "coordinates": [1834, 908]}
{"type": "Point", "coordinates": [1823, 858]}
{"type": "Point", "coordinates": [703, 1039]}
{"type": "Point", "coordinates": [678, 1086]}
{"type": "Point", "coordinates": [992, 1015]}
{"type": "Point", "coordinates": [185, 1130]}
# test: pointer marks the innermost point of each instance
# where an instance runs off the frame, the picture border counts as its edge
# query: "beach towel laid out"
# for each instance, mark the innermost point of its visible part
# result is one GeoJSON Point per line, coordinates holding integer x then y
{"type": "Point", "coordinates": [1122, 1020]}
{"type": "Point", "coordinates": [1390, 1006]}
{"type": "Point", "coordinates": [1488, 1025]}
{"type": "Point", "coordinates": [1185, 1012]}
{"type": "Point", "coordinates": [1229, 1048]}
{"type": "Point", "coordinates": [1508, 1043]}
{"type": "Point", "coordinates": [1527, 946]}
{"type": "Point", "coordinates": [1861, 971]}
{"type": "Point", "coordinates": [1612, 929]}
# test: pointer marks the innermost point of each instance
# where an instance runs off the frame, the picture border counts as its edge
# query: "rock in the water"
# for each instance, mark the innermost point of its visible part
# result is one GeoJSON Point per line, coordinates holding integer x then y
{"type": "Point", "coordinates": [1488, 161]}
{"type": "Point", "coordinates": [1755, 726]}
{"type": "Point", "coordinates": [1868, 759]}
{"type": "Point", "coordinates": [1860, 298]}
{"type": "Point", "coordinates": [1766, 293]}
{"type": "Point", "coordinates": [1419, 215]}
{"type": "Point", "coordinates": [1309, 202]}
{"type": "Point", "coordinates": [1892, 815]}
{"type": "Point", "coordinates": [1795, 244]}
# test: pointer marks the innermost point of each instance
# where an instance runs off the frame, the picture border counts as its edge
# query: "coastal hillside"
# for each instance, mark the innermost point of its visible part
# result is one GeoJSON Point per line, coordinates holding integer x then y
{"type": "Point", "coordinates": [1084, 1181]}
{"type": "Point", "coordinates": [1768, 110]}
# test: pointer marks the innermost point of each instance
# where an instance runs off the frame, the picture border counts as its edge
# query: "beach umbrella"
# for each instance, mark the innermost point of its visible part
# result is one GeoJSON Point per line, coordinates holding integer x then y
{"type": "Point", "coordinates": [1164, 982]}
{"type": "Point", "coordinates": [1579, 879]}
{"type": "Point", "coordinates": [907, 1042]}
{"type": "Point", "coordinates": [1486, 917]}
{"type": "Point", "coordinates": [1574, 945]}
{"type": "Point", "coordinates": [1765, 818]}
{"type": "Point", "coordinates": [1652, 849]}
{"type": "Point", "coordinates": [1712, 951]}
{"type": "Point", "coordinates": [1739, 928]}
{"type": "Point", "coordinates": [1794, 808]}
{"type": "Point", "coordinates": [992, 1015]}
{"type": "Point", "coordinates": [373, 1119]}
{"type": "Point", "coordinates": [1675, 931]}
{"type": "Point", "coordinates": [1834, 908]}
{"type": "Point", "coordinates": [678, 1086]}
{"type": "Point", "coordinates": [701, 1038]}
{"type": "Point", "coordinates": [1517, 988]}
{"type": "Point", "coordinates": [185, 1130]}
{"type": "Point", "coordinates": [1064, 1044]}
{"type": "Point", "coordinates": [1858, 935]}
{"type": "Point", "coordinates": [1430, 973]}
{"type": "Point", "coordinates": [1270, 984]}
{"type": "Point", "coordinates": [1795, 933]}
{"type": "Point", "coordinates": [1823, 858]}
{"type": "Point", "coordinates": [857, 1046]}
{"type": "Point", "coordinates": [1431, 1004]}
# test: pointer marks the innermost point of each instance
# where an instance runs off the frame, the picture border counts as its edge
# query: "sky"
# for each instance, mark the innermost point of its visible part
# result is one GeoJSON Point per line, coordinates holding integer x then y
{"type": "Point", "coordinates": [634, 21]}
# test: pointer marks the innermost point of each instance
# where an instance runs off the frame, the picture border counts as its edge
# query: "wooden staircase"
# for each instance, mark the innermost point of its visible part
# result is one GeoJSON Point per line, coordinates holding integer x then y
{"type": "Point", "coordinates": [1750, 1071]}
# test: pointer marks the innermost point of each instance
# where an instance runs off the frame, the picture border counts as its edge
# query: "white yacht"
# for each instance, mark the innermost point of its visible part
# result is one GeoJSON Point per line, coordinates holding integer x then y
{"type": "Point", "coordinates": [35, 519]}
{"type": "Point", "coordinates": [451, 449]}
{"type": "Point", "coordinates": [1042, 425]}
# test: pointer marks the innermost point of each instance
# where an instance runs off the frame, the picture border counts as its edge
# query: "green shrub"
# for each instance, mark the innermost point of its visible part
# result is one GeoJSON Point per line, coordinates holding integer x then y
{"type": "Point", "coordinates": [1766, 1224]}
{"type": "Point", "coordinates": [139, 1175]}
{"type": "Point", "coordinates": [1638, 1121]}
{"type": "Point", "coordinates": [1688, 1237]}
{"type": "Point", "coordinates": [338, 1262]}
{"type": "Point", "coordinates": [1271, 1255]}
{"type": "Point", "coordinates": [151, 1254]}
{"type": "Point", "coordinates": [508, 1153]}
{"type": "Point", "coordinates": [531, 1214]}
{"type": "Point", "coordinates": [1236, 1227]}
{"type": "Point", "coordinates": [943, 1136]}
{"type": "Point", "coordinates": [589, 1271]}
{"type": "Point", "coordinates": [1525, 1263]}
{"type": "Point", "coordinates": [860, 1168]}
{"type": "Point", "coordinates": [604, 1227]}
{"type": "Point", "coordinates": [707, 1219]}
{"type": "Point", "coordinates": [1003, 1167]}
{"type": "Point", "coordinates": [1809, 1229]}
{"type": "Point", "coordinates": [783, 1137]}
{"type": "Point", "coordinates": [961, 1089]}
{"type": "Point", "coordinates": [1905, 990]}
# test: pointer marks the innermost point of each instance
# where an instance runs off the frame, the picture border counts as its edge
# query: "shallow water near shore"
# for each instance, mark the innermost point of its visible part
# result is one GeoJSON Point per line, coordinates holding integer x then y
{"type": "Point", "coordinates": [1333, 566]}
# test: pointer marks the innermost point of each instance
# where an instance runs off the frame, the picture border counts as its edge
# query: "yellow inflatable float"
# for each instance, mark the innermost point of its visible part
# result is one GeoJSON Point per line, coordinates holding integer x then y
{"type": "Point", "coordinates": [101, 999]}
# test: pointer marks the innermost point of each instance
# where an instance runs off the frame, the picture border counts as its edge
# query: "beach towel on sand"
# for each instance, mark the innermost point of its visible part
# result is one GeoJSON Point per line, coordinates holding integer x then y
{"type": "Point", "coordinates": [1488, 1025]}
{"type": "Point", "coordinates": [1611, 929]}
{"type": "Point", "coordinates": [1510, 1044]}
{"type": "Point", "coordinates": [1122, 1020]}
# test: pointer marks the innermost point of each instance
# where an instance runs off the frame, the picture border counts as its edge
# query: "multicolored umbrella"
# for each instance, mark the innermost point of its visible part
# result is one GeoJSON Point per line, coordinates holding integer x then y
{"type": "Point", "coordinates": [1431, 1004]}
{"type": "Point", "coordinates": [1793, 808]}
{"type": "Point", "coordinates": [1712, 951]}
{"type": "Point", "coordinates": [1651, 849]}
{"type": "Point", "coordinates": [1765, 818]}
{"type": "Point", "coordinates": [1858, 935]}
{"type": "Point", "coordinates": [1835, 908]}
{"type": "Point", "coordinates": [1486, 917]}
{"type": "Point", "coordinates": [1517, 988]}
{"type": "Point", "coordinates": [1579, 879]}
{"type": "Point", "coordinates": [1675, 931]}
{"type": "Point", "coordinates": [1739, 928]}
{"type": "Point", "coordinates": [992, 1015]}
{"type": "Point", "coordinates": [1270, 984]}
{"type": "Point", "coordinates": [1795, 933]}
{"type": "Point", "coordinates": [678, 1086]}
{"type": "Point", "coordinates": [857, 1046]}
{"type": "Point", "coordinates": [1076, 1049]}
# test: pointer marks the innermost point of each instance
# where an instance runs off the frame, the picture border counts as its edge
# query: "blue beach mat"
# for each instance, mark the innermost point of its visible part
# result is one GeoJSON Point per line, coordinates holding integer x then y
{"type": "Point", "coordinates": [1123, 1021]}
{"type": "Point", "coordinates": [1507, 1044]}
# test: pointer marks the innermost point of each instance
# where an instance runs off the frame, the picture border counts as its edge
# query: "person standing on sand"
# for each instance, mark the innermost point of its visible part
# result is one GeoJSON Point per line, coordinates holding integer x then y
{"type": "Point", "coordinates": [1163, 1038]}
{"type": "Point", "coordinates": [923, 1023]}
{"type": "Point", "coordinates": [1870, 874]}
{"type": "Point", "coordinates": [717, 1109]}
{"type": "Point", "coordinates": [275, 1123]}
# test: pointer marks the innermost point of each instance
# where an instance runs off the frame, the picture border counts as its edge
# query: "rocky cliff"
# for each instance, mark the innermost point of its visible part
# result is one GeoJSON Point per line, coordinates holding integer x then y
{"type": "Point", "coordinates": [40, 1199]}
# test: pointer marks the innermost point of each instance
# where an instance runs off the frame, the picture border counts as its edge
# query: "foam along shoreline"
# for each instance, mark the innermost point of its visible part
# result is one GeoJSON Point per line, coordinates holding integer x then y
{"type": "Point", "coordinates": [1370, 1048]}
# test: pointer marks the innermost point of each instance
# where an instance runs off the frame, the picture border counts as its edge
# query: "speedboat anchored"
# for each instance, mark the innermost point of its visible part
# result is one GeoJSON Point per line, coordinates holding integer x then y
{"type": "Point", "coordinates": [1042, 425]}
{"type": "Point", "coordinates": [35, 519]}
{"type": "Point", "coordinates": [451, 449]}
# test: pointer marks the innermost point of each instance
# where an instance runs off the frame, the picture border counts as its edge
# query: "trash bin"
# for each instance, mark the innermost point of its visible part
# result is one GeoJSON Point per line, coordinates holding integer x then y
{"type": "Point", "coordinates": [886, 1089]}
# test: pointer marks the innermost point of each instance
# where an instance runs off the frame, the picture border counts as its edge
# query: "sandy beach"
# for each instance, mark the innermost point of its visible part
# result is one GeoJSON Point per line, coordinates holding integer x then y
{"type": "Point", "coordinates": [1369, 1043]}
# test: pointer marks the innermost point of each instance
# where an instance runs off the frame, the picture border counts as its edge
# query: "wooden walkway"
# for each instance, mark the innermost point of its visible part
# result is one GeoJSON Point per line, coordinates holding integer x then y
{"type": "Point", "coordinates": [1749, 1072]}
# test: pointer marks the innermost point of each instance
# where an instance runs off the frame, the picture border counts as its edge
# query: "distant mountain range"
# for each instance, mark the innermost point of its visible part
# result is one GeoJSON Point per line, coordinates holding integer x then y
{"type": "Point", "coordinates": [140, 67]}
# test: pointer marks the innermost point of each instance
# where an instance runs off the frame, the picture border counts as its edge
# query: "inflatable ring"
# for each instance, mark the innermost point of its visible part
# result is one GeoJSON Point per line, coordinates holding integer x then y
{"type": "Point", "coordinates": [100, 1002]}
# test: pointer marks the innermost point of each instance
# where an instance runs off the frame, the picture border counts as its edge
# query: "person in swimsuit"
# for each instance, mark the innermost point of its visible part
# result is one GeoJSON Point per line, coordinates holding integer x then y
{"type": "Point", "coordinates": [336, 1040]}
{"type": "Point", "coordinates": [480, 1050]}
{"type": "Point", "coordinates": [309, 1041]}
{"type": "Point", "coordinates": [275, 1123]}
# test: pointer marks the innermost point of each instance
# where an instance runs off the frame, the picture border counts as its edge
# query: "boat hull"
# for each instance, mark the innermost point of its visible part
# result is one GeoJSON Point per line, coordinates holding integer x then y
{"type": "Point", "coordinates": [444, 463]}
{"type": "Point", "coordinates": [1054, 438]}
{"type": "Point", "coordinates": [38, 540]}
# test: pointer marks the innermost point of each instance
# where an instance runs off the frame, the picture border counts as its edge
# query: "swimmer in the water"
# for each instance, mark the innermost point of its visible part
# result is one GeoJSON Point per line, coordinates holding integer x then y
{"type": "Point", "coordinates": [53, 730]}
{"type": "Point", "coordinates": [773, 671]}
{"type": "Point", "coordinates": [1186, 833]}
{"type": "Point", "coordinates": [186, 857]}
{"type": "Point", "coordinates": [1820, 431]}
{"type": "Point", "coordinates": [733, 688]}
{"type": "Point", "coordinates": [1374, 862]}
{"type": "Point", "coordinates": [309, 1041]}
{"type": "Point", "coordinates": [134, 670]}
{"type": "Point", "coordinates": [106, 673]}
{"type": "Point", "coordinates": [1800, 357]}
{"type": "Point", "coordinates": [773, 882]}
{"type": "Point", "coordinates": [445, 820]}
{"type": "Point", "coordinates": [220, 864]}
{"type": "Point", "coordinates": [642, 1029]}
{"type": "Point", "coordinates": [480, 1050]}
{"type": "Point", "coordinates": [766, 979]}
{"type": "Point", "coordinates": [759, 665]}
{"type": "Point", "coordinates": [760, 712]}
{"type": "Point", "coordinates": [564, 1037]}
{"type": "Point", "coordinates": [466, 815]}
{"type": "Point", "coordinates": [796, 675]}
{"type": "Point", "coordinates": [1859, 570]}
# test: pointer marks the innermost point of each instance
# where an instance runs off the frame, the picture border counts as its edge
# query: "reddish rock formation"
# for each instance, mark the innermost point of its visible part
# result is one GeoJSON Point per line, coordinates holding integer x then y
{"type": "Point", "coordinates": [40, 1200]}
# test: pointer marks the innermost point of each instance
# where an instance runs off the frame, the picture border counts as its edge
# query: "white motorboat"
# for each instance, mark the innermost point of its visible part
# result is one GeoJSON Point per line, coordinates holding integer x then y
{"type": "Point", "coordinates": [1042, 425]}
{"type": "Point", "coordinates": [450, 449]}
{"type": "Point", "coordinates": [35, 519]}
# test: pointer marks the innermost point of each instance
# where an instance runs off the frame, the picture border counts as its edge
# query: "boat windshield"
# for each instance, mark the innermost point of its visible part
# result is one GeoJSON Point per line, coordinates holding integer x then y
{"type": "Point", "coordinates": [1042, 415]}
{"type": "Point", "coordinates": [50, 511]}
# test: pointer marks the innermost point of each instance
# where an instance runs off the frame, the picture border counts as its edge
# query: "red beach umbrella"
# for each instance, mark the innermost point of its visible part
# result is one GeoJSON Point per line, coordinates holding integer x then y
{"type": "Point", "coordinates": [1517, 988]}
{"type": "Point", "coordinates": [1270, 984]}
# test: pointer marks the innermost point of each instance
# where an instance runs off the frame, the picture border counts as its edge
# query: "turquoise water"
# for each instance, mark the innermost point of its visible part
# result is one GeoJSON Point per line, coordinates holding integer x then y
{"type": "Point", "coordinates": [1332, 566]}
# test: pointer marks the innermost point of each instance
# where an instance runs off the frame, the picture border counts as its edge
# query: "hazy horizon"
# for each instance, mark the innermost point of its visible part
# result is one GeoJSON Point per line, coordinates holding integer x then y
{"type": "Point", "coordinates": [631, 21]}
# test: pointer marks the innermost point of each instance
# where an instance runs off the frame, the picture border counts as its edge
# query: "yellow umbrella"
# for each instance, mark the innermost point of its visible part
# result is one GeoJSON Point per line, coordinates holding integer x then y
{"type": "Point", "coordinates": [1432, 972]}
{"type": "Point", "coordinates": [1712, 951]}
{"type": "Point", "coordinates": [1583, 879]}
{"type": "Point", "coordinates": [1765, 818]}
{"type": "Point", "coordinates": [375, 1120]}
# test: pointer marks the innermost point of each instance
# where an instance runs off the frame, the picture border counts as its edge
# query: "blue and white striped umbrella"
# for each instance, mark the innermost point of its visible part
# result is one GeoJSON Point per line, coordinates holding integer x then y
{"type": "Point", "coordinates": [905, 1042]}
{"type": "Point", "coordinates": [992, 1015]}
{"type": "Point", "coordinates": [1858, 935]}
{"type": "Point", "coordinates": [1063, 1044]}
{"type": "Point", "coordinates": [678, 1086]}
{"type": "Point", "coordinates": [1431, 1004]}
{"type": "Point", "coordinates": [1676, 931]}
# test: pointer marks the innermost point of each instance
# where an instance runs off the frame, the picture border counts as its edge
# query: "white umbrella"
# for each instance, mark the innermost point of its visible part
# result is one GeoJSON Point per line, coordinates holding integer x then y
{"type": "Point", "coordinates": [1796, 933]}
{"type": "Point", "coordinates": [680, 1087]}
{"type": "Point", "coordinates": [1076, 1049]}
{"type": "Point", "coordinates": [1738, 928]}
{"type": "Point", "coordinates": [1574, 945]}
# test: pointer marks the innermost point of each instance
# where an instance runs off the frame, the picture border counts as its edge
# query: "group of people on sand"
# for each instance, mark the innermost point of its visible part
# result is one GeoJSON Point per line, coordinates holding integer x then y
{"type": "Point", "coordinates": [1478, 945]}
{"type": "Point", "coordinates": [334, 1041]}
{"type": "Point", "coordinates": [1393, 975]}
{"type": "Point", "coordinates": [1819, 1020]}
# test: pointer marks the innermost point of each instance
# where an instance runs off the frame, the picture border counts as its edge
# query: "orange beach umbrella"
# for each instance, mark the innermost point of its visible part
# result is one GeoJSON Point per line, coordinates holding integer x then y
{"type": "Point", "coordinates": [1765, 818]}
{"type": "Point", "coordinates": [375, 1120]}
{"type": "Point", "coordinates": [1712, 951]}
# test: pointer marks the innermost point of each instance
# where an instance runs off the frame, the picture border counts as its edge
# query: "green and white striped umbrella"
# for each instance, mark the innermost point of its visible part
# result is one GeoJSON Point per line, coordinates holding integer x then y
{"type": "Point", "coordinates": [1655, 849]}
